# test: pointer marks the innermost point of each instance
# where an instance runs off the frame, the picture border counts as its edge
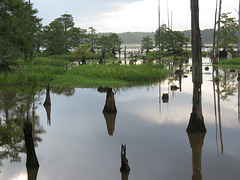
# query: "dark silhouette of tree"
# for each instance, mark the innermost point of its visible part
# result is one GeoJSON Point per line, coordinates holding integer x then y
{"type": "Point", "coordinates": [125, 169]}
{"type": "Point", "coordinates": [196, 141]}
{"type": "Point", "coordinates": [47, 105]}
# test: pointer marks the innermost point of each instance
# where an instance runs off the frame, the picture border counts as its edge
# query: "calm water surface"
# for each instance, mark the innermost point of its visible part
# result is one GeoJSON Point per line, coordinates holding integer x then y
{"type": "Point", "coordinates": [80, 143]}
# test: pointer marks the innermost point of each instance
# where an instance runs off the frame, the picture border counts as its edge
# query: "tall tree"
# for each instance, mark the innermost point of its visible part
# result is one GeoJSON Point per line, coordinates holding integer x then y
{"type": "Point", "coordinates": [115, 43]}
{"type": "Point", "coordinates": [218, 32]}
{"type": "Point", "coordinates": [54, 38]}
{"type": "Point", "coordinates": [77, 37]}
{"type": "Point", "coordinates": [17, 26]}
{"type": "Point", "coordinates": [196, 122]}
{"type": "Point", "coordinates": [104, 45]}
{"type": "Point", "coordinates": [214, 31]}
{"type": "Point", "coordinates": [92, 39]}
{"type": "Point", "coordinates": [239, 29]}
{"type": "Point", "coordinates": [228, 32]}
{"type": "Point", "coordinates": [68, 24]}
{"type": "Point", "coordinates": [147, 44]}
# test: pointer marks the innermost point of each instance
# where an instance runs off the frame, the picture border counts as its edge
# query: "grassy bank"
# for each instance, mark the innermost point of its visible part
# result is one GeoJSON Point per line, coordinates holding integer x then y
{"type": "Point", "coordinates": [55, 72]}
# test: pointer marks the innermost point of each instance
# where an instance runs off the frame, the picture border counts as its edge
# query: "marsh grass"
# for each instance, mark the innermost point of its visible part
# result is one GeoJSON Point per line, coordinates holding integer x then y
{"type": "Point", "coordinates": [42, 72]}
{"type": "Point", "coordinates": [234, 61]}
{"type": "Point", "coordinates": [55, 72]}
{"type": "Point", "coordinates": [114, 75]}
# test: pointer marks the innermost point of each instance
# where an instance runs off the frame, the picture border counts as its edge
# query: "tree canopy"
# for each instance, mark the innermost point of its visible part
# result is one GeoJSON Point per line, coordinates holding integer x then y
{"type": "Point", "coordinates": [18, 25]}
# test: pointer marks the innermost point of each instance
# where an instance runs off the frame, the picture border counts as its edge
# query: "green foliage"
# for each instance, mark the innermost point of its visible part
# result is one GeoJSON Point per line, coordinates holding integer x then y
{"type": "Point", "coordinates": [17, 27]}
{"type": "Point", "coordinates": [41, 73]}
{"type": "Point", "coordinates": [147, 44]}
{"type": "Point", "coordinates": [170, 40]}
{"type": "Point", "coordinates": [83, 51]}
{"type": "Point", "coordinates": [234, 61]}
{"type": "Point", "coordinates": [54, 38]}
{"type": "Point", "coordinates": [228, 32]}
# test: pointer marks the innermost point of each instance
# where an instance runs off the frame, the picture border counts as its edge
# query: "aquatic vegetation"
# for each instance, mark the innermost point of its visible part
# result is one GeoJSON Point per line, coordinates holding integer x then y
{"type": "Point", "coordinates": [114, 75]}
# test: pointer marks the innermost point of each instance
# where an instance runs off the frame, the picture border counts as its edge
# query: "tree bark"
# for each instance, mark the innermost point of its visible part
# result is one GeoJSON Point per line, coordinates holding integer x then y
{"type": "Point", "coordinates": [196, 122]}
{"type": "Point", "coordinates": [196, 43]}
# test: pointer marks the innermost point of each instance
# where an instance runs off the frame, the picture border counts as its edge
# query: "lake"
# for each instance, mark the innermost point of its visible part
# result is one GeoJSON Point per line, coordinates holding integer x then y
{"type": "Point", "coordinates": [77, 141]}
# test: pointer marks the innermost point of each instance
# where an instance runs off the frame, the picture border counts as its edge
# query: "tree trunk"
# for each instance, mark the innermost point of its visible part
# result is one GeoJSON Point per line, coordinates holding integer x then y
{"type": "Point", "coordinates": [196, 43]}
{"type": "Point", "coordinates": [214, 33]}
{"type": "Point", "coordinates": [196, 122]}
{"type": "Point", "coordinates": [239, 29]}
{"type": "Point", "coordinates": [218, 34]}
{"type": "Point", "coordinates": [83, 60]}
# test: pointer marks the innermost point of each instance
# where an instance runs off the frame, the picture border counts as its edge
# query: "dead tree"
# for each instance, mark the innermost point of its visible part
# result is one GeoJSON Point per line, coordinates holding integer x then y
{"type": "Point", "coordinates": [196, 122]}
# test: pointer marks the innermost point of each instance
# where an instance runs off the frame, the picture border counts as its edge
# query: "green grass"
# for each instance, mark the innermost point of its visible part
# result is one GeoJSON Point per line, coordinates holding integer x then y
{"type": "Point", "coordinates": [54, 71]}
{"type": "Point", "coordinates": [114, 75]}
{"type": "Point", "coordinates": [42, 72]}
{"type": "Point", "coordinates": [234, 61]}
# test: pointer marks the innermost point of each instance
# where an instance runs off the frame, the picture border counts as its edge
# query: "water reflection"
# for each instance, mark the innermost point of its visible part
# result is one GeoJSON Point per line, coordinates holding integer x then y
{"type": "Point", "coordinates": [109, 110]}
{"type": "Point", "coordinates": [217, 106]}
{"type": "Point", "coordinates": [47, 105]}
{"type": "Point", "coordinates": [32, 161]}
{"type": "Point", "coordinates": [18, 104]}
{"type": "Point", "coordinates": [196, 141]}
{"type": "Point", "coordinates": [125, 169]}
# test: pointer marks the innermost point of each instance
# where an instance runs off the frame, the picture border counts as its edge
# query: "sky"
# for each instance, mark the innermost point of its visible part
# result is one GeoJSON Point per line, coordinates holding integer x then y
{"type": "Point", "coordinates": [131, 15]}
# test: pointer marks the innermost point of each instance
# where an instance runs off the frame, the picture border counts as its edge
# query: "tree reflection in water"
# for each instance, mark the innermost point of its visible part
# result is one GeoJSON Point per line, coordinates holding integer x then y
{"type": "Point", "coordinates": [109, 110]}
{"type": "Point", "coordinates": [17, 104]}
{"type": "Point", "coordinates": [196, 141]}
{"type": "Point", "coordinates": [125, 169]}
{"type": "Point", "coordinates": [47, 105]}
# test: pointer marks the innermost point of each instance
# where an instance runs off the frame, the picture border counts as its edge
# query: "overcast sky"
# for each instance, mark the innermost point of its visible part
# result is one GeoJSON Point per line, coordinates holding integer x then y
{"type": "Point", "coordinates": [130, 15]}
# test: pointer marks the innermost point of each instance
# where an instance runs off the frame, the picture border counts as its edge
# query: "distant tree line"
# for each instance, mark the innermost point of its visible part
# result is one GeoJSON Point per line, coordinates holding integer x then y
{"type": "Point", "coordinates": [22, 34]}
